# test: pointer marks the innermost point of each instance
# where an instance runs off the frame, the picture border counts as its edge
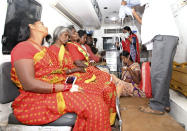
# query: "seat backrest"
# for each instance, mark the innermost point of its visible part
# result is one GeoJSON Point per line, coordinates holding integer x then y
{"type": "Point", "coordinates": [8, 90]}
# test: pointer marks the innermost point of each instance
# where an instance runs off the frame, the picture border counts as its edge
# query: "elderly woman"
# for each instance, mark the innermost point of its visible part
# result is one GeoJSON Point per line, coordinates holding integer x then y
{"type": "Point", "coordinates": [128, 85]}
{"type": "Point", "coordinates": [95, 83]}
{"type": "Point", "coordinates": [44, 96]}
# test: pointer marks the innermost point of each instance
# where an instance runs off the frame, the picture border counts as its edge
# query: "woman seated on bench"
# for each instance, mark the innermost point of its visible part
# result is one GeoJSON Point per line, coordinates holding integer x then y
{"type": "Point", "coordinates": [90, 79]}
{"type": "Point", "coordinates": [44, 96]}
{"type": "Point", "coordinates": [130, 79]}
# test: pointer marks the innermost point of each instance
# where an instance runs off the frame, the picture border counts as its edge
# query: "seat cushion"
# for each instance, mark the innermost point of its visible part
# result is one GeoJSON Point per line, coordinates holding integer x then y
{"type": "Point", "coordinates": [67, 119]}
{"type": "Point", "coordinates": [8, 90]}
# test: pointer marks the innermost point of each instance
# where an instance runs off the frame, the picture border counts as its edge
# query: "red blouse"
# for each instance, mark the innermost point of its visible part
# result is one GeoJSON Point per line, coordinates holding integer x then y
{"type": "Point", "coordinates": [92, 55]}
{"type": "Point", "coordinates": [23, 50]}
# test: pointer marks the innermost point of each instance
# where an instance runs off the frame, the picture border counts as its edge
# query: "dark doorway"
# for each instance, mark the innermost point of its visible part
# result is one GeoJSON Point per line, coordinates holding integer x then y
{"type": "Point", "coordinates": [20, 13]}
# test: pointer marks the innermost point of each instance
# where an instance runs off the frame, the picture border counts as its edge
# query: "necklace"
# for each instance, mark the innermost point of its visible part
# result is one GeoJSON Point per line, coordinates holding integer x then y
{"type": "Point", "coordinates": [36, 45]}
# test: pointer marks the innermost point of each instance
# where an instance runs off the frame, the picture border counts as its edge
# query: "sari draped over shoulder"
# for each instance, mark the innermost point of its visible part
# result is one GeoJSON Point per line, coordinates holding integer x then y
{"type": "Point", "coordinates": [93, 81]}
{"type": "Point", "coordinates": [37, 109]}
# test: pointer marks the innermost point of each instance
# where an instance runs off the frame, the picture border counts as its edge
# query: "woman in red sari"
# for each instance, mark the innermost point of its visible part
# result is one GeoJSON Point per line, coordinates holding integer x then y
{"type": "Point", "coordinates": [131, 44]}
{"type": "Point", "coordinates": [90, 79]}
{"type": "Point", "coordinates": [44, 97]}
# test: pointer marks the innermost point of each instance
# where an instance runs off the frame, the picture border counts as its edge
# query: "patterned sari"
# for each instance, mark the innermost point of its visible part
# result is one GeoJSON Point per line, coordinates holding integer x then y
{"type": "Point", "coordinates": [38, 109]}
{"type": "Point", "coordinates": [128, 88]}
{"type": "Point", "coordinates": [93, 81]}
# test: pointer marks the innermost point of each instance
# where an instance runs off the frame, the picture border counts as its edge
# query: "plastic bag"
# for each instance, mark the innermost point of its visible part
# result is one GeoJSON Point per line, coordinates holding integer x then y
{"type": "Point", "coordinates": [125, 10]}
{"type": "Point", "coordinates": [131, 3]}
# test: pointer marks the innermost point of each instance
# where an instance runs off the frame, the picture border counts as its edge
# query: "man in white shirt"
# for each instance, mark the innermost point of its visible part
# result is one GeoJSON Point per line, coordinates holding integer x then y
{"type": "Point", "coordinates": [159, 31]}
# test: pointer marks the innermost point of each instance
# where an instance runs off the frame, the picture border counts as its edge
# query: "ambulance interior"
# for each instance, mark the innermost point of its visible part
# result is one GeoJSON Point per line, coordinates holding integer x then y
{"type": "Point", "coordinates": [103, 20]}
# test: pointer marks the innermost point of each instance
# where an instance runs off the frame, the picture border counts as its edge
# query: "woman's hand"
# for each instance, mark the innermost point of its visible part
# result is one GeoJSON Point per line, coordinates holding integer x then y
{"type": "Point", "coordinates": [80, 63]}
{"type": "Point", "coordinates": [78, 69]}
{"type": "Point", "coordinates": [128, 69]}
{"type": "Point", "coordinates": [124, 68]}
{"type": "Point", "coordinates": [92, 62]}
{"type": "Point", "coordinates": [130, 39]}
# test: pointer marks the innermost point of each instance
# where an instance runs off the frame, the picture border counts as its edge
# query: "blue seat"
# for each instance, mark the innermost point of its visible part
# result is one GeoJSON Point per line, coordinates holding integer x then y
{"type": "Point", "coordinates": [9, 91]}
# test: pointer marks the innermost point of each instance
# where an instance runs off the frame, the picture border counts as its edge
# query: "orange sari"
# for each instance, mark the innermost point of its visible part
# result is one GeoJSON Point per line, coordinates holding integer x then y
{"type": "Point", "coordinates": [37, 109]}
{"type": "Point", "coordinates": [94, 81]}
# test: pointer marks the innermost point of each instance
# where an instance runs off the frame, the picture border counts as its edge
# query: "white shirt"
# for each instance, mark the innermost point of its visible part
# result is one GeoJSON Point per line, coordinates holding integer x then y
{"type": "Point", "coordinates": [157, 20]}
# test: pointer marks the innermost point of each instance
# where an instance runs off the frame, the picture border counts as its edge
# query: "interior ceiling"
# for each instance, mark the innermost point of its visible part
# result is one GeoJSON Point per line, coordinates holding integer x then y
{"type": "Point", "coordinates": [83, 11]}
{"type": "Point", "coordinates": [110, 15]}
{"type": "Point", "coordinates": [111, 12]}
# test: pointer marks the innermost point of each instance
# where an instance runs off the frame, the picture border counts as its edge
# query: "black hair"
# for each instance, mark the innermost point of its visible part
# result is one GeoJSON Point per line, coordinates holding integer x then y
{"type": "Point", "coordinates": [48, 38]}
{"type": "Point", "coordinates": [81, 33]}
{"type": "Point", "coordinates": [128, 29]}
{"type": "Point", "coordinates": [95, 40]}
{"type": "Point", "coordinates": [89, 35]}
{"type": "Point", "coordinates": [26, 28]}
{"type": "Point", "coordinates": [126, 54]}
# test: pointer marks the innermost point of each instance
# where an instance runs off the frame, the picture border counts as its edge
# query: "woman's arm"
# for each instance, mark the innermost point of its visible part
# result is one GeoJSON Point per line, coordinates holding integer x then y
{"type": "Point", "coordinates": [26, 74]}
{"type": "Point", "coordinates": [80, 63]}
{"type": "Point", "coordinates": [135, 75]}
{"type": "Point", "coordinates": [78, 69]}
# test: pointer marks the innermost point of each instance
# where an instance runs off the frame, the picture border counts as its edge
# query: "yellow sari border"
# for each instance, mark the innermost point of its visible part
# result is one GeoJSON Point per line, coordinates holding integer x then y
{"type": "Point", "coordinates": [81, 50]}
{"type": "Point", "coordinates": [92, 79]}
{"type": "Point", "coordinates": [112, 118]}
{"type": "Point", "coordinates": [38, 56]}
{"type": "Point", "coordinates": [60, 103]}
{"type": "Point", "coordinates": [61, 54]}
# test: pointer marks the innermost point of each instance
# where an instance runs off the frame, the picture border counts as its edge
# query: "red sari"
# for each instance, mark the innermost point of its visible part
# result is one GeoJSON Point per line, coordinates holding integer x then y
{"type": "Point", "coordinates": [126, 47]}
{"type": "Point", "coordinates": [93, 81]}
{"type": "Point", "coordinates": [37, 109]}
{"type": "Point", "coordinates": [145, 84]}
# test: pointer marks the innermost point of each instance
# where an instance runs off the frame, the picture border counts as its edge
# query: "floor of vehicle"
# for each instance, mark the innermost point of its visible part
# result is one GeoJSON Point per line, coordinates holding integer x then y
{"type": "Point", "coordinates": [134, 120]}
